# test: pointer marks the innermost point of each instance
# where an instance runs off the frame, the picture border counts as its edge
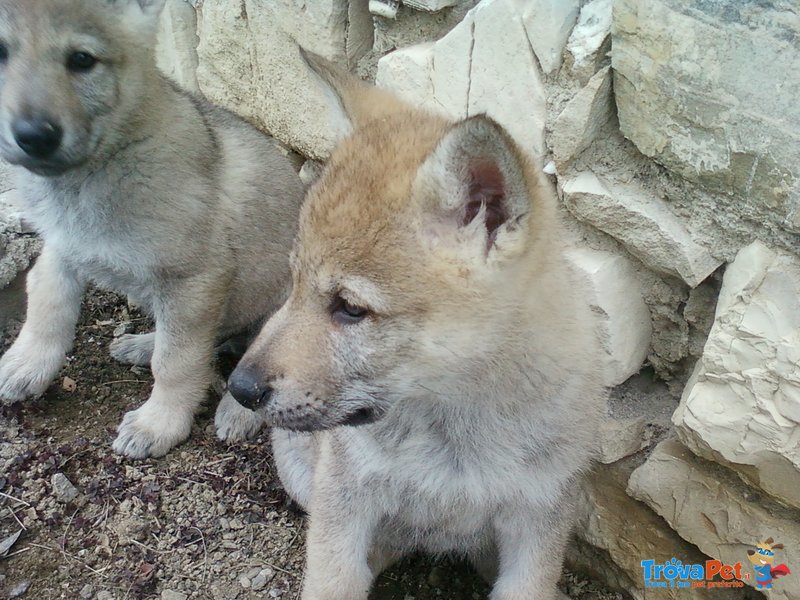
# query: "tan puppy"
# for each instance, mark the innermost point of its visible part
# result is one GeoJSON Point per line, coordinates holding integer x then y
{"type": "Point", "coordinates": [141, 188]}
{"type": "Point", "coordinates": [432, 307]}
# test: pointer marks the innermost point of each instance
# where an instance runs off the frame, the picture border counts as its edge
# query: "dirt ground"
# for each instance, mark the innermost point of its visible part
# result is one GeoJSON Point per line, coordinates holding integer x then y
{"type": "Point", "coordinates": [206, 521]}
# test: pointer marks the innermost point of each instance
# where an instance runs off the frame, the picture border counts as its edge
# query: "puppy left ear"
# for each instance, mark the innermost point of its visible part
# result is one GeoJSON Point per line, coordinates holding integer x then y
{"type": "Point", "coordinates": [145, 12]}
{"type": "Point", "coordinates": [473, 184]}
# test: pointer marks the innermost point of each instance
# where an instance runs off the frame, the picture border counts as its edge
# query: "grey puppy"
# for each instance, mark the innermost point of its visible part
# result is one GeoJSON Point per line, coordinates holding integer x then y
{"type": "Point", "coordinates": [142, 188]}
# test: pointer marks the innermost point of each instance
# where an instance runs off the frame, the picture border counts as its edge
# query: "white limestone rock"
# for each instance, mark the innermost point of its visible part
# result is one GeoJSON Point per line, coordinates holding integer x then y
{"type": "Point", "coordinates": [310, 172]}
{"type": "Point", "coordinates": [18, 249]}
{"type": "Point", "coordinates": [430, 5]}
{"type": "Point", "coordinates": [643, 223]}
{"type": "Point", "coordinates": [548, 24]}
{"type": "Point", "coordinates": [63, 489]}
{"type": "Point", "coordinates": [626, 531]}
{"type": "Point", "coordinates": [705, 89]}
{"type": "Point", "coordinates": [484, 65]}
{"type": "Point", "coordinates": [742, 404]}
{"type": "Point", "coordinates": [623, 317]}
{"type": "Point", "coordinates": [408, 73]}
{"type": "Point", "coordinates": [621, 437]}
{"type": "Point", "coordinates": [583, 119]}
{"type": "Point", "coordinates": [249, 62]}
{"type": "Point", "coordinates": [176, 49]}
{"type": "Point", "coordinates": [709, 507]}
{"type": "Point", "coordinates": [587, 43]}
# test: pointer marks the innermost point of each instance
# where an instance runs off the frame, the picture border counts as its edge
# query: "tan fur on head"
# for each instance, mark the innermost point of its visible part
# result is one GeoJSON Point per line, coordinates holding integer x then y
{"type": "Point", "coordinates": [444, 219]}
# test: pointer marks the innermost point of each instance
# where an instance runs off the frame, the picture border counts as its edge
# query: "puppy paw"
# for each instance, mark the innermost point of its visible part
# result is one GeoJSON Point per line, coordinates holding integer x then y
{"type": "Point", "coordinates": [234, 422]}
{"type": "Point", "coordinates": [133, 349]}
{"type": "Point", "coordinates": [26, 371]}
{"type": "Point", "coordinates": [152, 430]}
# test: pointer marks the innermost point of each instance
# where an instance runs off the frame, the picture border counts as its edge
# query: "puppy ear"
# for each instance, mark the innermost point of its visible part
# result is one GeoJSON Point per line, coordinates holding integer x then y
{"type": "Point", "coordinates": [777, 546]}
{"type": "Point", "coordinates": [151, 6]}
{"type": "Point", "coordinates": [351, 102]}
{"type": "Point", "coordinates": [144, 13]}
{"type": "Point", "coordinates": [473, 186]}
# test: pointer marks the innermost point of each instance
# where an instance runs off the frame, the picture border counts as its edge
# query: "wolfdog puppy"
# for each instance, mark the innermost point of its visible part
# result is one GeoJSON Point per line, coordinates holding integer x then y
{"type": "Point", "coordinates": [141, 188]}
{"type": "Point", "coordinates": [433, 376]}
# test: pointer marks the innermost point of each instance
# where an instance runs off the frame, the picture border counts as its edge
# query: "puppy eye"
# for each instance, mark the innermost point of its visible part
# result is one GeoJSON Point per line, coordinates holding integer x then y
{"type": "Point", "coordinates": [346, 313]}
{"type": "Point", "coordinates": [3, 53]}
{"type": "Point", "coordinates": [81, 62]}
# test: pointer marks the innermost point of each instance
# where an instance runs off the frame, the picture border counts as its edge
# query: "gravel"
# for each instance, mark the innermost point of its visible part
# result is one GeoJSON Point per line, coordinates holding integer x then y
{"type": "Point", "coordinates": [207, 521]}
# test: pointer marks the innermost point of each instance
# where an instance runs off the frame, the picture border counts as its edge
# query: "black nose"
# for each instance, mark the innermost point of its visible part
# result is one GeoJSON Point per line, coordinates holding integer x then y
{"type": "Point", "coordinates": [249, 387]}
{"type": "Point", "coordinates": [39, 138]}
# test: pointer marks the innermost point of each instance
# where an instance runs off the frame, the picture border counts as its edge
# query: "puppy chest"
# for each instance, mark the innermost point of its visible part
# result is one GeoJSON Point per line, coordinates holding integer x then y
{"type": "Point", "coordinates": [438, 526]}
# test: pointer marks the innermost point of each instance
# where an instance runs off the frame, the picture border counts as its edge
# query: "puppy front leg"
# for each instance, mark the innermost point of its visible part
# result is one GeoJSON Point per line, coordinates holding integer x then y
{"type": "Point", "coordinates": [54, 302]}
{"type": "Point", "coordinates": [531, 544]}
{"type": "Point", "coordinates": [187, 318]}
{"type": "Point", "coordinates": [340, 534]}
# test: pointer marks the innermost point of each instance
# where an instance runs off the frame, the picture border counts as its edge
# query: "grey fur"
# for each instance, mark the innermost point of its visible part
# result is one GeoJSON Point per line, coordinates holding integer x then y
{"type": "Point", "coordinates": [155, 193]}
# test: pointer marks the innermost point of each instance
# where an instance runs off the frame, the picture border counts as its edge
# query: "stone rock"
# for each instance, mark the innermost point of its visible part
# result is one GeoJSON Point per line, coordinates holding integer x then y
{"type": "Point", "coordinates": [19, 590]}
{"type": "Point", "coordinates": [620, 438]}
{"type": "Point", "coordinates": [589, 41]}
{"type": "Point", "coordinates": [548, 24]}
{"type": "Point", "coordinates": [310, 171]}
{"type": "Point", "coordinates": [742, 404]}
{"type": "Point", "coordinates": [63, 489]}
{"type": "Point", "coordinates": [484, 65]}
{"type": "Point", "coordinates": [701, 87]}
{"type": "Point", "coordinates": [173, 595]}
{"type": "Point", "coordinates": [249, 62]}
{"type": "Point", "coordinates": [626, 532]}
{"type": "Point", "coordinates": [409, 73]}
{"type": "Point", "coordinates": [259, 582]}
{"type": "Point", "coordinates": [623, 317]}
{"type": "Point", "coordinates": [430, 5]}
{"type": "Point", "coordinates": [711, 508]}
{"type": "Point", "coordinates": [244, 582]}
{"type": "Point", "coordinates": [18, 249]}
{"type": "Point", "coordinates": [176, 49]}
{"type": "Point", "coordinates": [87, 591]}
{"type": "Point", "coordinates": [642, 222]}
{"type": "Point", "coordinates": [104, 595]}
{"type": "Point", "coordinates": [583, 119]}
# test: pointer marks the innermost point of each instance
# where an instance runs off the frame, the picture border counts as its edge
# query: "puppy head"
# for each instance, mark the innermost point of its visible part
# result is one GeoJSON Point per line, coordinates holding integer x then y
{"type": "Point", "coordinates": [69, 69]}
{"type": "Point", "coordinates": [407, 268]}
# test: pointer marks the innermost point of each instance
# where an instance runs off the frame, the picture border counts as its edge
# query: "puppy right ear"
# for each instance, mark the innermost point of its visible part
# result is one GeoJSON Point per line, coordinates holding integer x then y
{"type": "Point", "coordinates": [143, 13]}
{"type": "Point", "coordinates": [351, 102]}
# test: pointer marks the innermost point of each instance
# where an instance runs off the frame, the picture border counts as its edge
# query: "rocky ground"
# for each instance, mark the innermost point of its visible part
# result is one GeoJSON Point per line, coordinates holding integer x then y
{"type": "Point", "coordinates": [207, 521]}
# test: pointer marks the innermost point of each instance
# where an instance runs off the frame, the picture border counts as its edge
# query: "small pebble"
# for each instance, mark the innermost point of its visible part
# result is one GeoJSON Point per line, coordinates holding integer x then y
{"type": "Point", "coordinates": [63, 489]}
{"type": "Point", "coordinates": [86, 592]}
{"type": "Point", "coordinates": [105, 595]}
{"type": "Point", "coordinates": [244, 582]}
{"type": "Point", "coordinates": [173, 595]}
{"type": "Point", "coordinates": [122, 329]}
{"type": "Point", "coordinates": [436, 577]}
{"type": "Point", "coordinates": [19, 590]}
{"type": "Point", "coordinates": [259, 582]}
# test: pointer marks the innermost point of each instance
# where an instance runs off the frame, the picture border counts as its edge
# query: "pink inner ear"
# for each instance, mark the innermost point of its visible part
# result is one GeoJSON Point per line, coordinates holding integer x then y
{"type": "Point", "coordinates": [487, 188]}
